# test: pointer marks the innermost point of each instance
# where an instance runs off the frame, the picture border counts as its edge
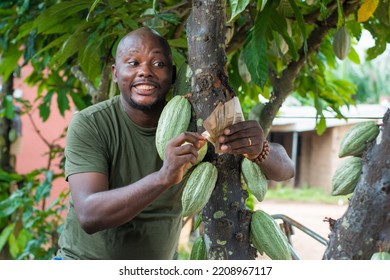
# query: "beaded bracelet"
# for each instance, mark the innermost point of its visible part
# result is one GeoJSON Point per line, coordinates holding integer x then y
{"type": "Point", "coordinates": [264, 153]}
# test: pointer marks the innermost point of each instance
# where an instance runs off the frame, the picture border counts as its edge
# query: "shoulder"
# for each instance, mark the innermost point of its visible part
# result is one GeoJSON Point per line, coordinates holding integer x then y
{"type": "Point", "coordinates": [98, 110]}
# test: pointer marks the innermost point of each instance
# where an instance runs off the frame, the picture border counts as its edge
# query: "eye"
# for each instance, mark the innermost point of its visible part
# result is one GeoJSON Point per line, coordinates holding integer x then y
{"type": "Point", "coordinates": [159, 64]}
{"type": "Point", "coordinates": [132, 63]}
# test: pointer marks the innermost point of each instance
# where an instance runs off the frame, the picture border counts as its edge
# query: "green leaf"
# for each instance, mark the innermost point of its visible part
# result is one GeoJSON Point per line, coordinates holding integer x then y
{"type": "Point", "coordinates": [237, 6]}
{"type": "Point", "coordinates": [13, 246]}
{"type": "Point", "coordinates": [198, 221]}
{"type": "Point", "coordinates": [56, 14]}
{"type": "Point", "coordinates": [9, 108]}
{"type": "Point", "coordinates": [301, 22]}
{"type": "Point", "coordinates": [44, 111]}
{"type": "Point", "coordinates": [321, 125]}
{"type": "Point", "coordinates": [255, 49]}
{"type": "Point", "coordinates": [172, 18]}
{"type": "Point", "coordinates": [340, 14]}
{"type": "Point", "coordinates": [279, 24]}
{"type": "Point", "coordinates": [5, 234]}
{"type": "Point", "coordinates": [9, 206]}
{"type": "Point", "coordinates": [55, 43]}
{"type": "Point", "coordinates": [178, 43]}
{"type": "Point", "coordinates": [63, 102]}
{"type": "Point", "coordinates": [95, 3]}
{"type": "Point", "coordinates": [354, 56]}
{"type": "Point", "coordinates": [9, 61]}
{"type": "Point", "coordinates": [78, 101]}
{"type": "Point", "coordinates": [70, 47]}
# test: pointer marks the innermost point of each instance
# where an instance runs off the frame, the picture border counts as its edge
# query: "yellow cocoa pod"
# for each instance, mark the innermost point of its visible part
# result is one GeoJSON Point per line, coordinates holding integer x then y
{"type": "Point", "coordinates": [268, 238]}
{"type": "Point", "coordinates": [346, 176]}
{"type": "Point", "coordinates": [198, 188]}
{"type": "Point", "coordinates": [355, 141]}
{"type": "Point", "coordinates": [199, 250]}
{"type": "Point", "coordinates": [342, 42]}
{"type": "Point", "coordinates": [254, 178]}
{"type": "Point", "coordinates": [174, 120]}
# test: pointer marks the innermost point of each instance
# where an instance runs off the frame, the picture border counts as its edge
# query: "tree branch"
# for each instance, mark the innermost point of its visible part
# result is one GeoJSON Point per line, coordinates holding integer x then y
{"type": "Point", "coordinates": [79, 74]}
{"type": "Point", "coordinates": [284, 85]}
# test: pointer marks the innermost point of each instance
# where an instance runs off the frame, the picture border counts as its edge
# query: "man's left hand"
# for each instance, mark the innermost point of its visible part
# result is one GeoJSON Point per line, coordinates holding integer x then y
{"type": "Point", "coordinates": [245, 138]}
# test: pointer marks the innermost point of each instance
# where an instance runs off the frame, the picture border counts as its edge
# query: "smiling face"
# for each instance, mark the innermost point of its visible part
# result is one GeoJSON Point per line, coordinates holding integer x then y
{"type": "Point", "coordinates": [143, 69]}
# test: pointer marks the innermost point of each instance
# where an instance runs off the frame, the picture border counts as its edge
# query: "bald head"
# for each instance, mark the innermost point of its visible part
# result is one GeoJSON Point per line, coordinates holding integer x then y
{"type": "Point", "coordinates": [143, 34]}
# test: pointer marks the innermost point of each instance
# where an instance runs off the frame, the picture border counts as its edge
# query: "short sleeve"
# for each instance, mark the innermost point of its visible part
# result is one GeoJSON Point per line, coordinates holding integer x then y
{"type": "Point", "coordinates": [84, 149]}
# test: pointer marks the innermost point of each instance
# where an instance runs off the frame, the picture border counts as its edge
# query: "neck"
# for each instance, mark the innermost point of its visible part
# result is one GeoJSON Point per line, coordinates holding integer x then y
{"type": "Point", "coordinates": [143, 118]}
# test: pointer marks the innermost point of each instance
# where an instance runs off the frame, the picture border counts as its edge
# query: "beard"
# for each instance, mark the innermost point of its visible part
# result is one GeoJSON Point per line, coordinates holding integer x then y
{"type": "Point", "coordinates": [156, 105]}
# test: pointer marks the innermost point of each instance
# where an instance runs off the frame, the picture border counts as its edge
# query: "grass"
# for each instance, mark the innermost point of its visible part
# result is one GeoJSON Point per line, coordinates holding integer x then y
{"type": "Point", "coordinates": [303, 194]}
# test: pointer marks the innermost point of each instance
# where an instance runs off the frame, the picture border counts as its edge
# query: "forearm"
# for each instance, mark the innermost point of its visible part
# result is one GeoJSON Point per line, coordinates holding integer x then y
{"type": "Point", "coordinates": [112, 208]}
{"type": "Point", "coordinates": [278, 166]}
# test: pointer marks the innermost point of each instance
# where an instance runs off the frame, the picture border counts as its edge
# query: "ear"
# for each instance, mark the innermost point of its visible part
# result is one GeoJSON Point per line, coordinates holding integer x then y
{"type": "Point", "coordinates": [114, 74]}
{"type": "Point", "coordinates": [173, 74]}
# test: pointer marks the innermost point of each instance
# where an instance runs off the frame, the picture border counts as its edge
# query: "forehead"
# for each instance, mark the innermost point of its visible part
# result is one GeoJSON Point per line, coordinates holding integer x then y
{"type": "Point", "coordinates": [143, 42]}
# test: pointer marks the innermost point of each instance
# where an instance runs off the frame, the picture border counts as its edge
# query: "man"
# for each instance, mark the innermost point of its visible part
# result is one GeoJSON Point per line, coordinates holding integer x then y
{"type": "Point", "coordinates": [126, 202]}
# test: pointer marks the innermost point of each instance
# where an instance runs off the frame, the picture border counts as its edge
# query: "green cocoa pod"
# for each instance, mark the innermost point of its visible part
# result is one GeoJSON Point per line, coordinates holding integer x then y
{"type": "Point", "coordinates": [346, 176]}
{"type": "Point", "coordinates": [380, 256]}
{"type": "Point", "coordinates": [355, 141]}
{"type": "Point", "coordinates": [268, 238]}
{"type": "Point", "coordinates": [199, 250]}
{"type": "Point", "coordinates": [342, 42]}
{"type": "Point", "coordinates": [254, 178]}
{"type": "Point", "coordinates": [198, 189]}
{"type": "Point", "coordinates": [201, 154]}
{"type": "Point", "coordinates": [182, 85]}
{"type": "Point", "coordinates": [174, 120]}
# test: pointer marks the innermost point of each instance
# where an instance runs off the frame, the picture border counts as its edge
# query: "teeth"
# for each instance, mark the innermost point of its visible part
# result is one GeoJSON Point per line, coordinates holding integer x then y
{"type": "Point", "coordinates": [145, 87]}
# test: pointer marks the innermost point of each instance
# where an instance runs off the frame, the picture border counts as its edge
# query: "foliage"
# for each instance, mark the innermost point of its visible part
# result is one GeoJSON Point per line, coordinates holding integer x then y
{"type": "Point", "coordinates": [29, 228]}
{"type": "Point", "coordinates": [58, 37]}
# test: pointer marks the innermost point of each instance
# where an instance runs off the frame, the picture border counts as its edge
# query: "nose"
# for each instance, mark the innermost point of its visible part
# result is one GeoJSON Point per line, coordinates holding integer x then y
{"type": "Point", "coordinates": [145, 70]}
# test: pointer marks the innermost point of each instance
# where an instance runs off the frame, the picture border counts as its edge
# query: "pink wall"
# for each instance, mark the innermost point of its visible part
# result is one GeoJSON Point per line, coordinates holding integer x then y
{"type": "Point", "coordinates": [33, 150]}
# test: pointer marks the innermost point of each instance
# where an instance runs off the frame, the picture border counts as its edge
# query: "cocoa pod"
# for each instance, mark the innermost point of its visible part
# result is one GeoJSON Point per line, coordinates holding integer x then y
{"type": "Point", "coordinates": [355, 141]}
{"type": "Point", "coordinates": [174, 119]}
{"type": "Point", "coordinates": [254, 178]}
{"type": "Point", "coordinates": [198, 188]}
{"type": "Point", "coordinates": [379, 256]}
{"type": "Point", "coordinates": [199, 250]}
{"type": "Point", "coordinates": [268, 238]}
{"type": "Point", "coordinates": [346, 176]}
{"type": "Point", "coordinates": [342, 42]}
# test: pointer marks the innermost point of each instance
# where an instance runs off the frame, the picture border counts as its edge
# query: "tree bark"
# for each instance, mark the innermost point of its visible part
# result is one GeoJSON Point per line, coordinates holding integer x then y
{"type": "Point", "coordinates": [365, 227]}
{"type": "Point", "coordinates": [225, 219]}
{"type": "Point", "coordinates": [6, 161]}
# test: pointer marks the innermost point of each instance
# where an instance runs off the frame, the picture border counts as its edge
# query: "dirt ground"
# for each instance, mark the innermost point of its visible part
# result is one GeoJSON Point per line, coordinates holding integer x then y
{"type": "Point", "coordinates": [310, 215]}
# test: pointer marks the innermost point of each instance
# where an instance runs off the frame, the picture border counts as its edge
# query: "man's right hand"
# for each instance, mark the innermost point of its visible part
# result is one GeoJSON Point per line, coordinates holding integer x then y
{"type": "Point", "coordinates": [179, 157]}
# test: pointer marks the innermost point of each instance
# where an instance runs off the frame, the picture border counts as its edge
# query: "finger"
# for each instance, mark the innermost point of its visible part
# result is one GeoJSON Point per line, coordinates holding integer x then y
{"type": "Point", "coordinates": [234, 128]}
{"type": "Point", "coordinates": [242, 146]}
{"type": "Point", "coordinates": [189, 137]}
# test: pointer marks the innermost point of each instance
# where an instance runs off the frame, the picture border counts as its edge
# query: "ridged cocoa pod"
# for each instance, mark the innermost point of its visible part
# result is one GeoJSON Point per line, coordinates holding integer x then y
{"type": "Point", "coordinates": [199, 250]}
{"type": "Point", "coordinates": [355, 141]}
{"type": "Point", "coordinates": [174, 120]}
{"type": "Point", "coordinates": [268, 238]}
{"type": "Point", "coordinates": [346, 176]}
{"type": "Point", "coordinates": [380, 256]}
{"type": "Point", "coordinates": [198, 188]}
{"type": "Point", "coordinates": [342, 43]}
{"type": "Point", "coordinates": [254, 178]}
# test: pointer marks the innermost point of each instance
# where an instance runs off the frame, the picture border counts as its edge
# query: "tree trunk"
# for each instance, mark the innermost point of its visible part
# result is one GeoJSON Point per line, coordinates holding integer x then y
{"type": "Point", "coordinates": [365, 226]}
{"type": "Point", "coordinates": [225, 218]}
{"type": "Point", "coordinates": [6, 160]}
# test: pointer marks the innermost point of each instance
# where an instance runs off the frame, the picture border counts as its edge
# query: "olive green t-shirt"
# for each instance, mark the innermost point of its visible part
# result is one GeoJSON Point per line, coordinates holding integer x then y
{"type": "Point", "coordinates": [102, 138]}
